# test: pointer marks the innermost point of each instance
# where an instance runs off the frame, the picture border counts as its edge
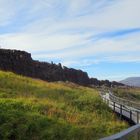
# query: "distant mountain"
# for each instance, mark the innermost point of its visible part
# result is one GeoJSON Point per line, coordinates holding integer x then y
{"type": "Point", "coordinates": [131, 81]}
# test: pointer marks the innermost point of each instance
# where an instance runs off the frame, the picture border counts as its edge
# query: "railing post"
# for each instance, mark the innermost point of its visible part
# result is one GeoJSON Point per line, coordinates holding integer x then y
{"type": "Point", "coordinates": [138, 117]}
{"type": "Point", "coordinates": [114, 106]}
{"type": "Point", "coordinates": [108, 102]}
{"type": "Point", "coordinates": [130, 115]}
{"type": "Point", "coordinates": [121, 111]}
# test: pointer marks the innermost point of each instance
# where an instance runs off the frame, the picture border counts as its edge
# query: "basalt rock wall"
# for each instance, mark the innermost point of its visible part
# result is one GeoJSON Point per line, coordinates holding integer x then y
{"type": "Point", "coordinates": [21, 62]}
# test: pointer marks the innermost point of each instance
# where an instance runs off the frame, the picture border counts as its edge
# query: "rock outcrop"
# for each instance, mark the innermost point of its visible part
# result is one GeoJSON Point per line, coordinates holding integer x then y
{"type": "Point", "coordinates": [21, 62]}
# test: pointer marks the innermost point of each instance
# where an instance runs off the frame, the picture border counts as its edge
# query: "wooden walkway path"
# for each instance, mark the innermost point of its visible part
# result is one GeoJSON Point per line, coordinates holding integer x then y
{"type": "Point", "coordinates": [127, 109]}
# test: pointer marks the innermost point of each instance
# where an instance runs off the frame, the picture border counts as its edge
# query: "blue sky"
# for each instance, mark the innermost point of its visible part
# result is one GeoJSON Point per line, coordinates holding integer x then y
{"type": "Point", "coordinates": [101, 37]}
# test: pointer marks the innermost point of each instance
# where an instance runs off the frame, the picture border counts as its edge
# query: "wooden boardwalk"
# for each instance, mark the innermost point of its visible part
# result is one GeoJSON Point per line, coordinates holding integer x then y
{"type": "Point", "coordinates": [127, 109]}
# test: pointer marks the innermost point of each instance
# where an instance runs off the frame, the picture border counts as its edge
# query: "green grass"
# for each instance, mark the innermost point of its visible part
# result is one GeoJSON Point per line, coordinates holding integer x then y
{"type": "Point", "coordinates": [130, 93]}
{"type": "Point", "coordinates": [32, 109]}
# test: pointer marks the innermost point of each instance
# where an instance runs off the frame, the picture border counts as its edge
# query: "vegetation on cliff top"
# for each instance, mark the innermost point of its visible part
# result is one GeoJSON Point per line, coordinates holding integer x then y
{"type": "Point", "coordinates": [129, 93]}
{"type": "Point", "coordinates": [32, 109]}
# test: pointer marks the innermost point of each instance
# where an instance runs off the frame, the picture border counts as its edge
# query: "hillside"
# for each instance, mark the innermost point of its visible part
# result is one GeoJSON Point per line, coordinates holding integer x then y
{"type": "Point", "coordinates": [21, 62]}
{"type": "Point", "coordinates": [131, 81]}
{"type": "Point", "coordinates": [129, 93]}
{"type": "Point", "coordinates": [36, 110]}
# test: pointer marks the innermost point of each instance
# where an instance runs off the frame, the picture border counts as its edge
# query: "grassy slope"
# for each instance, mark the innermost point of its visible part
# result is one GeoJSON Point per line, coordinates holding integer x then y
{"type": "Point", "coordinates": [132, 94]}
{"type": "Point", "coordinates": [36, 110]}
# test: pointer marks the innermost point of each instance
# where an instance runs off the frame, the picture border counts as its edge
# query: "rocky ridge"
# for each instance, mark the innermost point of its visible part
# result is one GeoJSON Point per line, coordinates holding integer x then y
{"type": "Point", "coordinates": [21, 62]}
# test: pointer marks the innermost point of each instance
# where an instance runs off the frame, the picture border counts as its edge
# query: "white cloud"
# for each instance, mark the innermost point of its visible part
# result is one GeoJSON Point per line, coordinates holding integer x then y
{"type": "Point", "coordinates": [122, 15]}
{"type": "Point", "coordinates": [6, 12]}
{"type": "Point", "coordinates": [125, 49]}
{"type": "Point", "coordinates": [74, 46]}
{"type": "Point", "coordinates": [41, 41]}
{"type": "Point", "coordinates": [65, 35]}
{"type": "Point", "coordinates": [10, 10]}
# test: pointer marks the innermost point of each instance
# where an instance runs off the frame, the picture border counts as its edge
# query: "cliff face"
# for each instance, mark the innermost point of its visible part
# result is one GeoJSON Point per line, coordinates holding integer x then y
{"type": "Point", "coordinates": [20, 62]}
{"type": "Point", "coordinates": [16, 61]}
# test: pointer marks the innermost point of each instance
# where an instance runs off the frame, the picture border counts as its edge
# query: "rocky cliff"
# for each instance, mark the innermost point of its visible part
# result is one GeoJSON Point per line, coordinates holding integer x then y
{"type": "Point", "coordinates": [20, 62]}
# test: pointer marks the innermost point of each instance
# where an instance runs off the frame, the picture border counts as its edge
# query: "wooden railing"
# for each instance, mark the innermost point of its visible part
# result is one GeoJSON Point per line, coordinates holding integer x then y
{"type": "Point", "coordinates": [124, 101]}
{"type": "Point", "coordinates": [124, 109]}
{"type": "Point", "coordinates": [133, 132]}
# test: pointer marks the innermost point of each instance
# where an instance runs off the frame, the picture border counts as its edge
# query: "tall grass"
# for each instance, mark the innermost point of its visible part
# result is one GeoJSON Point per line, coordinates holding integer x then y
{"type": "Point", "coordinates": [32, 109]}
{"type": "Point", "coordinates": [130, 93]}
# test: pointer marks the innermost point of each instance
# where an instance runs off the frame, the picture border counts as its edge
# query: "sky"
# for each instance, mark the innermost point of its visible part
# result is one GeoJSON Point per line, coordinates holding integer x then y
{"type": "Point", "coordinates": [101, 37]}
